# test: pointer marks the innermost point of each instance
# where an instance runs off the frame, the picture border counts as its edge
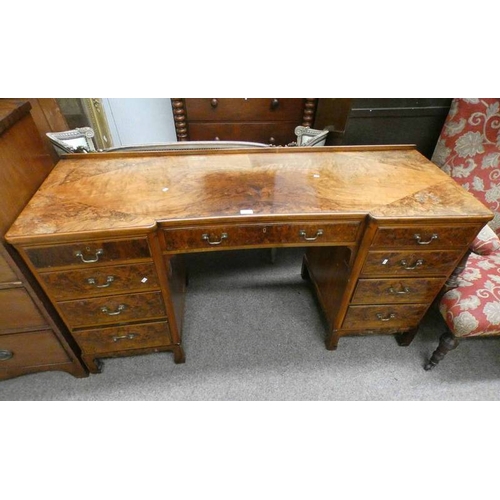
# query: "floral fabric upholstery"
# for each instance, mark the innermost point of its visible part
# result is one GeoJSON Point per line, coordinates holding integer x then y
{"type": "Point", "coordinates": [473, 308]}
{"type": "Point", "coordinates": [486, 242]}
{"type": "Point", "coordinates": [468, 150]}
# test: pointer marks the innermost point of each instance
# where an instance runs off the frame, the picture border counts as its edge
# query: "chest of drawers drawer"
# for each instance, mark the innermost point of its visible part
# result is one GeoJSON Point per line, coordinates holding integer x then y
{"type": "Point", "coordinates": [226, 236]}
{"type": "Point", "coordinates": [82, 282]}
{"type": "Point", "coordinates": [422, 236]}
{"type": "Point", "coordinates": [112, 339]}
{"type": "Point", "coordinates": [376, 317]}
{"type": "Point", "coordinates": [7, 275]}
{"type": "Point", "coordinates": [237, 110]}
{"type": "Point", "coordinates": [18, 311]}
{"type": "Point", "coordinates": [33, 349]}
{"type": "Point", "coordinates": [396, 290]}
{"type": "Point", "coordinates": [410, 263]}
{"type": "Point", "coordinates": [113, 309]}
{"type": "Point", "coordinates": [85, 253]}
{"type": "Point", "coordinates": [281, 133]}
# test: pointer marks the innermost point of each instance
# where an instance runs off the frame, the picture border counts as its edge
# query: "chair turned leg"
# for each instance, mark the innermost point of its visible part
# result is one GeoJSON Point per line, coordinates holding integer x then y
{"type": "Point", "coordinates": [447, 343]}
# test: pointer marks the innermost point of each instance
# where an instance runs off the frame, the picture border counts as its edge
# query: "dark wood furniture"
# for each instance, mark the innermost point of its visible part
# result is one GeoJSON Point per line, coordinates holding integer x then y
{"type": "Point", "coordinates": [269, 121]}
{"type": "Point", "coordinates": [31, 339]}
{"type": "Point", "coordinates": [382, 227]}
{"type": "Point", "coordinates": [395, 121]}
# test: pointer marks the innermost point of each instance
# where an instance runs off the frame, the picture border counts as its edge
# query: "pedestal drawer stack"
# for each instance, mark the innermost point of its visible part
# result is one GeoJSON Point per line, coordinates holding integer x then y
{"type": "Point", "coordinates": [108, 293]}
{"type": "Point", "coordinates": [405, 268]}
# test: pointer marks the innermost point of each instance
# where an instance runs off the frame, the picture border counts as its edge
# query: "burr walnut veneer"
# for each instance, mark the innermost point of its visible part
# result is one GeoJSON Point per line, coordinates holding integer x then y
{"type": "Point", "coordinates": [105, 235]}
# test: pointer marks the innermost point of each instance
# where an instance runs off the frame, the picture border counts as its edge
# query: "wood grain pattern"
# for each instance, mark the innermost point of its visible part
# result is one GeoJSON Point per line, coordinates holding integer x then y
{"type": "Point", "coordinates": [113, 339]}
{"type": "Point", "coordinates": [430, 236]}
{"type": "Point", "coordinates": [102, 252]}
{"type": "Point", "coordinates": [112, 193]}
{"type": "Point", "coordinates": [383, 316]}
{"type": "Point", "coordinates": [238, 236]}
{"type": "Point", "coordinates": [396, 290]}
{"type": "Point", "coordinates": [119, 309]}
{"type": "Point", "coordinates": [18, 312]}
{"type": "Point", "coordinates": [64, 285]}
{"type": "Point", "coordinates": [400, 263]}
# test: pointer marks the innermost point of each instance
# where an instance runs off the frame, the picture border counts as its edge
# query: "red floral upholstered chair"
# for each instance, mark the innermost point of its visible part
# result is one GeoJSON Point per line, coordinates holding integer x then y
{"type": "Point", "coordinates": [468, 150]}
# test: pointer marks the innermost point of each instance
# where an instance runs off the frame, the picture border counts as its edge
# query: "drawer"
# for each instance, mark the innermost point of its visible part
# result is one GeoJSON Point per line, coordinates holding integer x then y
{"type": "Point", "coordinates": [124, 337]}
{"type": "Point", "coordinates": [88, 253]}
{"type": "Point", "coordinates": [407, 263]}
{"type": "Point", "coordinates": [113, 309]}
{"type": "Point", "coordinates": [7, 275]}
{"type": "Point", "coordinates": [425, 236]}
{"type": "Point", "coordinates": [383, 316]}
{"type": "Point", "coordinates": [226, 236]}
{"type": "Point", "coordinates": [392, 291]}
{"type": "Point", "coordinates": [281, 133]}
{"type": "Point", "coordinates": [20, 350]}
{"type": "Point", "coordinates": [264, 109]}
{"type": "Point", "coordinates": [65, 285]}
{"type": "Point", "coordinates": [18, 311]}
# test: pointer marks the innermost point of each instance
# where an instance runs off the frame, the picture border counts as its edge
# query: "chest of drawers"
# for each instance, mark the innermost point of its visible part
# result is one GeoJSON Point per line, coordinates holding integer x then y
{"type": "Point", "coordinates": [32, 338]}
{"type": "Point", "coordinates": [269, 121]}
{"type": "Point", "coordinates": [109, 294]}
{"type": "Point", "coordinates": [401, 272]}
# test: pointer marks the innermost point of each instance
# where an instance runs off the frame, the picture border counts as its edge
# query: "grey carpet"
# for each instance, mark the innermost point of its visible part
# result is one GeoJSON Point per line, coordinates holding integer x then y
{"type": "Point", "coordinates": [253, 331]}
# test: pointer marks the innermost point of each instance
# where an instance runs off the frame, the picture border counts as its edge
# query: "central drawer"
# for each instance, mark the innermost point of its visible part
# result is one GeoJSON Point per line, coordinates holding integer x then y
{"type": "Point", "coordinates": [64, 285]}
{"type": "Point", "coordinates": [113, 309]}
{"type": "Point", "coordinates": [232, 236]}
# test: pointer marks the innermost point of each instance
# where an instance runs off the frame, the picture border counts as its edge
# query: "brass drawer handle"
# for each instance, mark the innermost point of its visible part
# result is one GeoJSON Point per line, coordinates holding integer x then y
{"type": "Point", "coordinates": [405, 264]}
{"type": "Point", "coordinates": [304, 236]}
{"type": "Point", "coordinates": [118, 311]}
{"type": "Point", "coordinates": [420, 242]}
{"type": "Point", "coordinates": [386, 318]}
{"type": "Point", "coordinates": [129, 336]}
{"type": "Point", "coordinates": [5, 355]}
{"type": "Point", "coordinates": [214, 103]}
{"type": "Point", "coordinates": [98, 252]}
{"type": "Point", "coordinates": [405, 290]}
{"type": "Point", "coordinates": [109, 280]}
{"type": "Point", "coordinates": [206, 237]}
{"type": "Point", "coordinates": [275, 103]}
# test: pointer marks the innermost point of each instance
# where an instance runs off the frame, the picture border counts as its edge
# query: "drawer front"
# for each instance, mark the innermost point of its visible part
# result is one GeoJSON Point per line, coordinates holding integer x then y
{"type": "Point", "coordinates": [17, 311]}
{"type": "Point", "coordinates": [66, 285]}
{"type": "Point", "coordinates": [124, 337]}
{"type": "Point", "coordinates": [7, 275]}
{"type": "Point", "coordinates": [265, 109]}
{"type": "Point", "coordinates": [425, 237]}
{"type": "Point", "coordinates": [21, 350]}
{"type": "Point", "coordinates": [113, 309]}
{"type": "Point", "coordinates": [411, 263]}
{"type": "Point", "coordinates": [281, 133]}
{"type": "Point", "coordinates": [394, 291]}
{"type": "Point", "coordinates": [383, 316]}
{"type": "Point", "coordinates": [218, 237]}
{"type": "Point", "coordinates": [88, 253]}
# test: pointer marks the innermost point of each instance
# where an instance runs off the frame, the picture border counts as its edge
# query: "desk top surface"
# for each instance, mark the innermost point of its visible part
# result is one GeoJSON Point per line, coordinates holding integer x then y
{"type": "Point", "coordinates": [121, 193]}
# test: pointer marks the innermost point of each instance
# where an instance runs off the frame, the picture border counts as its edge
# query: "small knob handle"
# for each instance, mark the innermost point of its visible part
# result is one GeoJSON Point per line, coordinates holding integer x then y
{"type": "Point", "coordinates": [214, 103]}
{"type": "Point", "coordinates": [275, 103]}
{"type": "Point", "coordinates": [216, 138]}
{"type": "Point", "coordinates": [272, 140]}
{"type": "Point", "coordinates": [5, 354]}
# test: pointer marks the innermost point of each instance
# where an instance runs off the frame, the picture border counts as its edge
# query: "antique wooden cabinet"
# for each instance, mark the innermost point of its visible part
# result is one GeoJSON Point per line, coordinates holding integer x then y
{"type": "Point", "coordinates": [32, 338]}
{"type": "Point", "coordinates": [269, 121]}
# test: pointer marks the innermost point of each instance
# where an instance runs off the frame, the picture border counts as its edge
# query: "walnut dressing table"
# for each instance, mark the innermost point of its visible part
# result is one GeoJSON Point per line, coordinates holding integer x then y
{"type": "Point", "coordinates": [105, 236]}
